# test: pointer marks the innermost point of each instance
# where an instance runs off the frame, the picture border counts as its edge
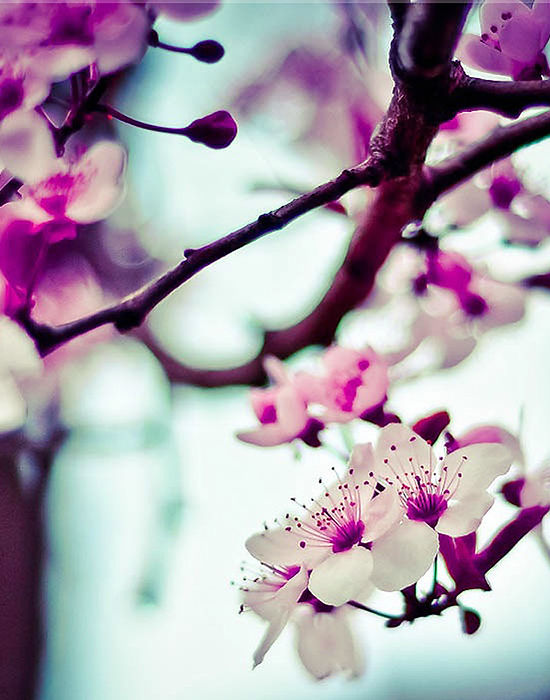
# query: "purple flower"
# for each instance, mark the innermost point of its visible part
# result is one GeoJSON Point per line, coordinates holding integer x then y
{"type": "Point", "coordinates": [512, 40]}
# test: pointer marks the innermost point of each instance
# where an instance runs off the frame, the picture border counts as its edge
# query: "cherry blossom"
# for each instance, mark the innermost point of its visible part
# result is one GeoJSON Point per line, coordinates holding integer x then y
{"type": "Point", "coordinates": [354, 383]}
{"type": "Point", "coordinates": [324, 638]}
{"type": "Point", "coordinates": [80, 188]}
{"type": "Point", "coordinates": [110, 35]}
{"type": "Point", "coordinates": [184, 11]}
{"type": "Point", "coordinates": [350, 536]}
{"type": "Point", "coordinates": [535, 490]}
{"type": "Point", "coordinates": [512, 40]}
{"type": "Point", "coordinates": [281, 410]}
{"type": "Point", "coordinates": [448, 495]}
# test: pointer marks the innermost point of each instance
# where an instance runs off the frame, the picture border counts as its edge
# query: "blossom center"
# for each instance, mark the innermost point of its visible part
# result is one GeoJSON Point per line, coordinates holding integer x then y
{"type": "Point", "coordinates": [348, 535]}
{"type": "Point", "coordinates": [426, 507]}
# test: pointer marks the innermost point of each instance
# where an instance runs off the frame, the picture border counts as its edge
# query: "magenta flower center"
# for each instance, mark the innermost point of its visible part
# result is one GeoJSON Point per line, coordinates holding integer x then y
{"type": "Point", "coordinates": [426, 507]}
{"type": "Point", "coordinates": [347, 535]}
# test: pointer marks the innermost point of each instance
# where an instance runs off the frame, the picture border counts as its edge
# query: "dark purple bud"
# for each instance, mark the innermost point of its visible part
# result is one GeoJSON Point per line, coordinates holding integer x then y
{"type": "Point", "coordinates": [541, 281]}
{"type": "Point", "coordinates": [512, 491]}
{"type": "Point", "coordinates": [470, 620]}
{"type": "Point", "coordinates": [395, 622]}
{"type": "Point", "coordinates": [216, 130]}
{"type": "Point", "coordinates": [208, 51]}
{"type": "Point", "coordinates": [379, 417]}
{"type": "Point", "coordinates": [473, 304]}
{"type": "Point", "coordinates": [310, 434]}
{"type": "Point", "coordinates": [503, 190]}
{"type": "Point", "coordinates": [431, 427]}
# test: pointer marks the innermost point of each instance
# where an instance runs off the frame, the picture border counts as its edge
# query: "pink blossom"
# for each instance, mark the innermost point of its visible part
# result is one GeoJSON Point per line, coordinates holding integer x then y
{"type": "Point", "coordinates": [76, 189]}
{"type": "Point", "coordinates": [109, 35]}
{"type": "Point", "coordinates": [355, 382]}
{"type": "Point", "coordinates": [448, 495]}
{"type": "Point", "coordinates": [349, 537]}
{"type": "Point", "coordinates": [512, 40]}
{"type": "Point", "coordinates": [281, 410]}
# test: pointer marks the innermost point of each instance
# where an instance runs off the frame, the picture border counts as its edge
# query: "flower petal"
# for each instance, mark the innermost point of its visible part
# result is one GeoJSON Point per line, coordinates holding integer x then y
{"type": "Point", "coordinates": [326, 646]}
{"type": "Point", "coordinates": [103, 166]}
{"type": "Point", "coordinates": [403, 555]}
{"type": "Point", "coordinates": [282, 548]}
{"type": "Point", "coordinates": [341, 576]}
{"type": "Point", "coordinates": [381, 513]}
{"type": "Point", "coordinates": [401, 447]}
{"type": "Point", "coordinates": [520, 39]}
{"type": "Point", "coordinates": [476, 467]}
{"type": "Point", "coordinates": [26, 147]}
{"type": "Point", "coordinates": [270, 603]}
{"type": "Point", "coordinates": [463, 517]}
{"type": "Point", "coordinates": [473, 52]}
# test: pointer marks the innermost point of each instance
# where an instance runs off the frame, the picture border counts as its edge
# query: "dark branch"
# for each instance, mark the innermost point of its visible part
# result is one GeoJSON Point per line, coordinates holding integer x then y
{"type": "Point", "coordinates": [507, 98]}
{"type": "Point", "coordinates": [419, 55]}
{"type": "Point", "coordinates": [500, 143]}
{"type": "Point", "coordinates": [131, 311]}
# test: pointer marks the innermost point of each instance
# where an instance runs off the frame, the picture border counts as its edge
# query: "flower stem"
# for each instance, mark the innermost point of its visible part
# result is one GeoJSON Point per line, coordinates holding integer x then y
{"type": "Point", "coordinates": [360, 606]}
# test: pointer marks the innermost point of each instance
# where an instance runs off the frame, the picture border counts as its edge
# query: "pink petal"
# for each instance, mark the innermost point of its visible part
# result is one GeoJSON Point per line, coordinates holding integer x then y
{"type": "Point", "coordinates": [341, 576]}
{"type": "Point", "coordinates": [266, 436]}
{"type": "Point", "coordinates": [403, 555]}
{"type": "Point", "coordinates": [276, 370]}
{"type": "Point", "coordinates": [520, 39]}
{"type": "Point", "coordinates": [541, 12]}
{"type": "Point", "coordinates": [185, 11]}
{"type": "Point", "coordinates": [26, 147]}
{"type": "Point", "coordinates": [473, 52]}
{"type": "Point", "coordinates": [493, 433]}
{"type": "Point", "coordinates": [491, 13]}
{"type": "Point", "coordinates": [121, 37]}
{"type": "Point", "coordinates": [463, 517]}
{"type": "Point", "coordinates": [103, 167]}
{"type": "Point", "coordinates": [326, 645]}
{"type": "Point", "coordinates": [269, 602]}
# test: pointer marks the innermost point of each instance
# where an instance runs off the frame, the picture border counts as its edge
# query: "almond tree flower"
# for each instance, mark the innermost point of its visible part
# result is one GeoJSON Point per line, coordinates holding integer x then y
{"type": "Point", "coordinates": [354, 383]}
{"type": "Point", "coordinates": [324, 639]}
{"type": "Point", "coordinates": [282, 411]}
{"type": "Point", "coordinates": [350, 537]}
{"type": "Point", "coordinates": [512, 40]}
{"type": "Point", "coordinates": [448, 495]}
{"type": "Point", "coordinates": [81, 189]}
{"type": "Point", "coordinates": [110, 35]}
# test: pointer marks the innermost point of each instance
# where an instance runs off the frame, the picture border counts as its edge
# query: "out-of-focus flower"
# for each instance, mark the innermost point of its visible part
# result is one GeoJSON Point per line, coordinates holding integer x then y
{"type": "Point", "coordinates": [19, 361]}
{"type": "Point", "coordinates": [536, 487]}
{"type": "Point", "coordinates": [184, 11]}
{"type": "Point", "coordinates": [354, 383]}
{"type": "Point", "coordinates": [281, 410]}
{"type": "Point", "coordinates": [350, 536]}
{"type": "Point", "coordinates": [448, 495]}
{"type": "Point", "coordinates": [110, 35]}
{"type": "Point", "coordinates": [82, 189]}
{"type": "Point", "coordinates": [488, 433]}
{"type": "Point", "coordinates": [513, 37]}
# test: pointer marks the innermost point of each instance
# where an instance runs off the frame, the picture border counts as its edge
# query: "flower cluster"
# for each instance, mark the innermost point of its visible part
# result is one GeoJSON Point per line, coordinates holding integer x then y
{"type": "Point", "coordinates": [353, 385]}
{"type": "Point", "coordinates": [377, 526]}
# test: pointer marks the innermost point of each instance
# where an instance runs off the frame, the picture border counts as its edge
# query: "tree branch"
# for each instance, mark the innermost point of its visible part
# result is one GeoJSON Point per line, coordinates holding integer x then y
{"type": "Point", "coordinates": [131, 312]}
{"type": "Point", "coordinates": [501, 142]}
{"type": "Point", "coordinates": [507, 98]}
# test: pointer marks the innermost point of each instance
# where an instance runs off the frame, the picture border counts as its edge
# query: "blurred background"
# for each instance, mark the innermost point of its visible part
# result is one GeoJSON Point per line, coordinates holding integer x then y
{"type": "Point", "coordinates": [150, 497]}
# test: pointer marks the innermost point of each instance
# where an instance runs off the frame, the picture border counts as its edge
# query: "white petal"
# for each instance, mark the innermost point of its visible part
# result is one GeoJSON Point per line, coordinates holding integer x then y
{"type": "Point", "coordinates": [325, 644]}
{"type": "Point", "coordinates": [341, 576]}
{"type": "Point", "coordinates": [271, 635]}
{"type": "Point", "coordinates": [270, 603]}
{"type": "Point", "coordinates": [282, 548]}
{"type": "Point", "coordinates": [103, 166]}
{"type": "Point", "coordinates": [381, 513]}
{"type": "Point", "coordinates": [479, 465]}
{"type": "Point", "coordinates": [267, 436]}
{"type": "Point", "coordinates": [403, 555]}
{"type": "Point", "coordinates": [399, 444]}
{"type": "Point", "coordinates": [463, 517]}
{"type": "Point", "coordinates": [26, 147]}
